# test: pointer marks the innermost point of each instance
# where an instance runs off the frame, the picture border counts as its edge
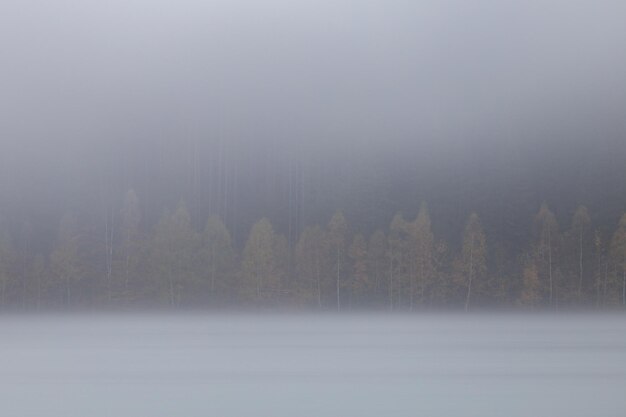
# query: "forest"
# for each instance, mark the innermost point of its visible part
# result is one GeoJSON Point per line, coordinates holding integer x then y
{"type": "Point", "coordinates": [333, 266]}
{"type": "Point", "coordinates": [415, 156]}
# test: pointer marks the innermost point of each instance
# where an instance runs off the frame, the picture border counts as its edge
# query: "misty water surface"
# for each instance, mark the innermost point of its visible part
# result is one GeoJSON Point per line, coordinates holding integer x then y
{"type": "Point", "coordinates": [219, 365]}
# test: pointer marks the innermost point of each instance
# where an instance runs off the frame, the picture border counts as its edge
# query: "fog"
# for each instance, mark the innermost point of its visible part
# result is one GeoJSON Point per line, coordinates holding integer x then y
{"type": "Point", "coordinates": [293, 111]}
{"type": "Point", "coordinates": [391, 365]}
{"type": "Point", "coordinates": [124, 92]}
{"type": "Point", "coordinates": [358, 72]}
{"type": "Point", "coordinates": [405, 159]}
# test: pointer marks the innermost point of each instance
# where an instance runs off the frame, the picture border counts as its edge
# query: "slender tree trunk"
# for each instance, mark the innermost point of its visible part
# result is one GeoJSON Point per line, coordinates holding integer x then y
{"type": "Point", "coordinates": [126, 274]}
{"type": "Point", "coordinates": [598, 284]}
{"type": "Point", "coordinates": [38, 293]}
{"type": "Point", "coordinates": [258, 284]}
{"type": "Point", "coordinates": [338, 296]}
{"type": "Point", "coordinates": [471, 273]}
{"type": "Point", "coordinates": [24, 266]}
{"type": "Point", "coordinates": [580, 265]}
{"type": "Point", "coordinates": [377, 272]}
{"type": "Point", "coordinates": [411, 289]}
{"type": "Point", "coordinates": [597, 291]}
{"type": "Point", "coordinates": [127, 263]}
{"type": "Point", "coordinates": [68, 292]}
{"type": "Point", "coordinates": [391, 283]}
{"type": "Point", "coordinates": [108, 240]}
{"type": "Point", "coordinates": [213, 272]}
{"type": "Point", "coordinates": [171, 283]}
{"type": "Point", "coordinates": [624, 287]}
{"type": "Point", "coordinates": [606, 278]}
{"type": "Point", "coordinates": [550, 264]}
{"type": "Point", "coordinates": [319, 284]}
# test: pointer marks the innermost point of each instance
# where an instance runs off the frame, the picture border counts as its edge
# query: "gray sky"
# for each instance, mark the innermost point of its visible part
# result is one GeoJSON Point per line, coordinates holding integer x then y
{"type": "Point", "coordinates": [361, 71]}
{"type": "Point", "coordinates": [86, 84]}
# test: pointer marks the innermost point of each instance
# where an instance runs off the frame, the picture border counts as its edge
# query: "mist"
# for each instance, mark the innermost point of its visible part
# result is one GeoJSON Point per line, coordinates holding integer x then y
{"type": "Point", "coordinates": [310, 365]}
{"type": "Point", "coordinates": [128, 93]}
{"type": "Point", "coordinates": [312, 208]}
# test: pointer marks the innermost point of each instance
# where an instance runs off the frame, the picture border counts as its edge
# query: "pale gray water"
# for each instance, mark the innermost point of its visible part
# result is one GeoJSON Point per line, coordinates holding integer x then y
{"type": "Point", "coordinates": [218, 365]}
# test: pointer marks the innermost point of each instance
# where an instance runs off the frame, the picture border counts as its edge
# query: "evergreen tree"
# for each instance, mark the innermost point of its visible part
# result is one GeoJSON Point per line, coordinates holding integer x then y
{"type": "Point", "coordinates": [361, 283]}
{"type": "Point", "coordinates": [402, 262]}
{"type": "Point", "coordinates": [580, 245]}
{"type": "Point", "coordinates": [40, 278]}
{"type": "Point", "coordinates": [312, 266]}
{"type": "Point", "coordinates": [378, 263]}
{"type": "Point", "coordinates": [218, 260]}
{"type": "Point", "coordinates": [282, 259]}
{"type": "Point", "coordinates": [424, 255]}
{"type": "Point", "coordinates": [602, 269]}
{"type": "Point", "coordinates": [618, 254]}
{"type": "Point", "coordinates": [131, 241]}
{"type": "Point", "coordinates": [337, 235]}
{"type": "Point", "coordinates": [65, 259]}
{"type": "Point", "coordinates": [473, 256]}
{"type": "Point", "coordinates": [546, 232]}
{"type": "Point", "coordinates": [174, 254]}
{"type": "Point", "coordinates": [530, 294]}
{"type": "Point", "coordinates": [7, 264]}
{"type": "Point", "coordinates": [259, 265]}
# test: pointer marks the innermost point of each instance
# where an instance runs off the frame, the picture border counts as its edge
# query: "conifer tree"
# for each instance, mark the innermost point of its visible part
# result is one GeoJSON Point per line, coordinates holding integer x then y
{"type": "Point", "coordinates": [259, 266]}
{"type": "Point", "coordinates": [361, 283]}
{"type": "Point", "coordinates": [397, 254]}
{"type": "Point", "coordinates": [602, 268]}
{"type": "Point", "coordinates": [65, 259]}
{"type": "Point", "coordinates": [580, 235]}
{"type": "Point", "coordinates": [546, 231]}
{"type": "Point", "coordinates": [530, 284]}
{"type": "Point", "coordinates": [424, 254]}
{"type": "Point", "coordinates": [311, 266]}
{"type": "Point", "coordinates": [473, 257]}
{"type": "Point", "coordinates": [337, 235]}
{"type": "Point", "coordinates": [40, 274]}
{"type": "Point", "coordinates": [218, 260]}
{"type": "Point", "coordinates": [7, 261]}
{"type": "Point", "coordinates": [378, 262]}
{"type": "Point", "coordinates": [174, 247]}
{"type": "Point", "coordinates": [131, 242]}
{"type": "Point", "coordinates": [618, 253]}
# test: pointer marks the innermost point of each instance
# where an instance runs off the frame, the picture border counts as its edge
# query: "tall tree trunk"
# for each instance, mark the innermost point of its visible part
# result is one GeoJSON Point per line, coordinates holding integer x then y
{"type": "Point", "coordinates": [38, 293]}
{"type": "Point", "coordinates": [391, 283]}
{"type": "Point", "coordinates": [213, 271]}
{"type": "Point", "coordinates": [338, 295]}
{"type": "Point", "coordinates": [68, 292]}
{"type": "Point", "coordinates": [171, 284]}
{"type": "Point", "coordinates": [319, 284]}
{"type": "Point", "coordinates": [598, 283]}
{"type": "Point", "coordinates": [108, 240]}
{"type": "Point", "coordinates": [550, 264]}
{"type": "Point", "coordinates": [471, 273]}
{"type": "Point", "coordinates": [624, 287]}
{"type": "Point", "coordinates": [258, 284]}
{"type": "Point", "coordinates": [580, 265]}
{"type": "Point", "coordinates": [411, 289]}
{"type": "Point", "coordinates": [606, 278]}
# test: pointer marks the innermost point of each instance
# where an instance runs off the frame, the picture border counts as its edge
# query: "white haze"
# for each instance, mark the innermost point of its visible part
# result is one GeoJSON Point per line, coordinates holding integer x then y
{"type": "Point", "coordinates": [350, 71]}
{"type": "Point", "coordinates": [514, 366]}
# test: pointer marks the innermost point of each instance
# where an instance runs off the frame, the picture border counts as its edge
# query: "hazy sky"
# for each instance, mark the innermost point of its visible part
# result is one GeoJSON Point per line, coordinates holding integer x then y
{"type": "Point", "coordinates": [86, 84]}
{"type": "Point", "coordinates": [92, 71]}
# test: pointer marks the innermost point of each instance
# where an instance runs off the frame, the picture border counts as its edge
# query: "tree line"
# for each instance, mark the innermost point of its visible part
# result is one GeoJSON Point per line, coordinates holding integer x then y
{"type": "Point", "coordinates": [402, 267]}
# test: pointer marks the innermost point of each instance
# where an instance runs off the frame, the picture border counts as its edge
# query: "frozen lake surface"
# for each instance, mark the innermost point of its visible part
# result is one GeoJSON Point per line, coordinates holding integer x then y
{"type": "Point", "coordinates": [291, 366]}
